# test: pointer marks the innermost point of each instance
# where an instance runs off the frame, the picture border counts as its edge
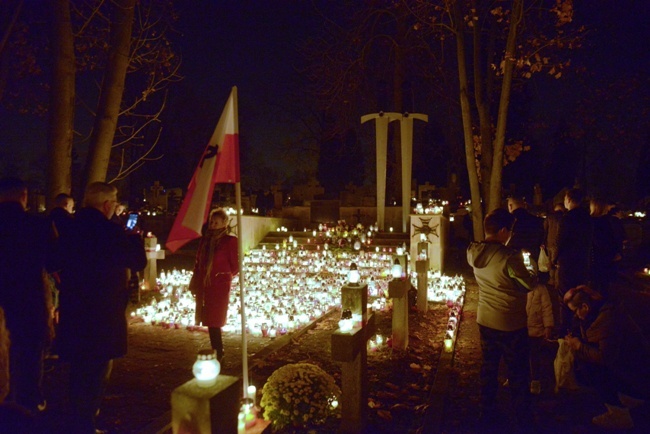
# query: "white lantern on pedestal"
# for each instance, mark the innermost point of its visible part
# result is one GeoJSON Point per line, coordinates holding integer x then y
{"type": "Point", "coordinates": [353, 274]}
{"type": "Point", "coordinates": [206, 368]}
{"type": "Point", "coordinates": [397, 269]}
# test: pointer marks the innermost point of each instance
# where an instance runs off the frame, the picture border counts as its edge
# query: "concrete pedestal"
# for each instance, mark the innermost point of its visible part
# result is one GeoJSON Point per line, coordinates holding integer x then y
{"type": "Point", "coordinates": [398, 291]}
{"type": "Point", "coordinates": [422, 270]}
{"type": "Point", "coordinates": [350, 348]}
{"type": "Point", "coordinates": [209, 410]}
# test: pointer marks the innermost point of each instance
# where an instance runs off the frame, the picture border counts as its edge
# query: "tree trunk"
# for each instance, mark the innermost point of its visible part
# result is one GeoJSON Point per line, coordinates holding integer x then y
{"type": "Point", "coordinates": [112, 90]}
{"type": "Point", "coordinates": [484, 118]}
{"type": "Point", "coordinates": [62, 103]}
{"type": "Point", "coordinates": [470, 159]}
{"type": "Point", "coordinates": [494, 199]}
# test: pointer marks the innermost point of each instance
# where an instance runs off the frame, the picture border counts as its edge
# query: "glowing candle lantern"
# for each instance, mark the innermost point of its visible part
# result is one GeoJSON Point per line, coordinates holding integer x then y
{"type": "Point", "coordinates": [345, 325]}
{"type": "Point", "coordinates": [246, 417]}
{"type": "Point", "coordinates": [396, 270]}
{"type": "Point", "coordinates": [206, 368]}
{"type": "Point", "coordinates": [251, 391]}
{"type": "Point", "coordinates": [353, 275]}
{"type": "Point", "coordinates": [449, 343]}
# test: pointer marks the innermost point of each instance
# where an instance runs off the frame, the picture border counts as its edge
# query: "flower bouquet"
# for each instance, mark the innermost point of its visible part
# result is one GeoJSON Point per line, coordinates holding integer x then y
{"type": "Point", "coordinates": [299, 395]}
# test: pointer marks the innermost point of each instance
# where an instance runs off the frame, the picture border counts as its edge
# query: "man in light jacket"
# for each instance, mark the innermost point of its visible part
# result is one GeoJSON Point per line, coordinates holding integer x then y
{"type": "Point", "coordinates": [503, 282]}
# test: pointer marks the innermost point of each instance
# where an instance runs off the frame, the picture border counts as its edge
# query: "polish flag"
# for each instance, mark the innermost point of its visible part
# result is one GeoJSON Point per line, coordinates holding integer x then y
{"type": "Point", "coordinates": [219, 164]}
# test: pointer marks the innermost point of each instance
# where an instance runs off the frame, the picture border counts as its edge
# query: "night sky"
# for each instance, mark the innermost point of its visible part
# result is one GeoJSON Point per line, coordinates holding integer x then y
{"type": "Point", "coordinates": [252, 45]}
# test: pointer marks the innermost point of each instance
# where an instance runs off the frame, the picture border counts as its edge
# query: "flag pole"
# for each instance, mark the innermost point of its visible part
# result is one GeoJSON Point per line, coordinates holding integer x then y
{"type": "Point", "coordinates": [244, 346]}
{"type": "Point", "coordinates": [242, 273]}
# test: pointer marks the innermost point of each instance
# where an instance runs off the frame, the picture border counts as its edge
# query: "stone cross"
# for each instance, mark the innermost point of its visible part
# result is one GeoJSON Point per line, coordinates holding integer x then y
{"type": "Point", "coordinates": [150, 273]}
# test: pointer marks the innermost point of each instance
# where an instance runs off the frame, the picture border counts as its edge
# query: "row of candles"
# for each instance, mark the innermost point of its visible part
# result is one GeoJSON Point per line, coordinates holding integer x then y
{"type": "Point", "coordinates": [282, 297]}
{"type": "Point", "coordinates": [288, 288]}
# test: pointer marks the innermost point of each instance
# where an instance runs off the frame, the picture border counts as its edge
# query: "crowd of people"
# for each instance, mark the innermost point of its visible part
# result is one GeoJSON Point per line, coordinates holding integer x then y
{"type": "Point", "coordinates": [64, 293]}
{"type": "Point", "coordinates": [84, 257]}
{"type": "Point", "coordinates": [523, 302]}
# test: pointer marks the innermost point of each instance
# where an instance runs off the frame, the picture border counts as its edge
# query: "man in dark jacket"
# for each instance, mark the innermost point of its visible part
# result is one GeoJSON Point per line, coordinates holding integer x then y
{"type": "Point", "coordinates": [26, 243]}
{"type": "Point", "coordinates": [574, 248]}
{"type": "Point", "coordinates": [528, 231]}
{"type": "Point", "coordinates": [503, 283]}
{"type": "Point", "coordinates": [61, 215]}
{"type": "Point", "coordinates": [94, 296]}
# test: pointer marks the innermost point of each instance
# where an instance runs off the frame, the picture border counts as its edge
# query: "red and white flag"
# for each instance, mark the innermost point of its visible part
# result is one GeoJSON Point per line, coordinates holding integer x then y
{"type": "Point", "coordinates": [219, 164]}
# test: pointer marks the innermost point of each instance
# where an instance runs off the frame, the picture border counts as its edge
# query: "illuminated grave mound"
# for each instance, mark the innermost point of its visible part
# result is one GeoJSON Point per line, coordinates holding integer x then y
{"type": "Point", "coordinates": [288, 287]}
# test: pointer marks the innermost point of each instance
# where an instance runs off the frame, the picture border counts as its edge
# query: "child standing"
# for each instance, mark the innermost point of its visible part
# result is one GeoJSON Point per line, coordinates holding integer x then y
{"type": "Point", "coordinates": [540, 326]}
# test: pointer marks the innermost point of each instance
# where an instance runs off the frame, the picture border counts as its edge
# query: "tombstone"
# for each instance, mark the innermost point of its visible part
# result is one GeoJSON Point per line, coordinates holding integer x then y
{"type": "Point", "coordinates": [174, 198]}
{"type": "Point", "coordinates": [424, 191]}
{"type": "Point", "coordinates": [350, 349]}
{"type": "Point", "coordinates": [156, 196]}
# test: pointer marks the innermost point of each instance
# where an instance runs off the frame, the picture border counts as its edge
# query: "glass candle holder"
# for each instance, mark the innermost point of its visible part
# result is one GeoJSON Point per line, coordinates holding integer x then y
{"type": "Point", "coordinates": [206, 368]}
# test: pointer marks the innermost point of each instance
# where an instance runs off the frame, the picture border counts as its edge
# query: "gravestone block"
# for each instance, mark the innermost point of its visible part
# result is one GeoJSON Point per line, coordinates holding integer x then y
{"type": "Point", "coordinates": [207, 410]}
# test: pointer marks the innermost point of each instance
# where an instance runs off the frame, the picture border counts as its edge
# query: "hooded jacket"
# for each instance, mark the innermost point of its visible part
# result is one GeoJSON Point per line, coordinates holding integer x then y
{"type": "Point", "coordinates": [503, 282]}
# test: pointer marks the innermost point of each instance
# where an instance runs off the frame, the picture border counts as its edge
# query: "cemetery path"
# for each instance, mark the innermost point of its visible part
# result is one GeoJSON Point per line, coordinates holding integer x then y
{"type": "Point", "coordinates": [159, 360]}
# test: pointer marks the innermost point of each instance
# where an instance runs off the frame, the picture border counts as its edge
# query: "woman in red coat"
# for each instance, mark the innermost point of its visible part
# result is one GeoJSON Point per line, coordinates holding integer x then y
{"type": "Point", "coordinates": [217, 261]}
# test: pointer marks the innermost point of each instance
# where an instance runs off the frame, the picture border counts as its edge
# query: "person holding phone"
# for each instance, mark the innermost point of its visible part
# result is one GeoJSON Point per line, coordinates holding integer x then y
{"type": "Point", "coordinates": [217, 261]}
{"type": "Point", "coordinates": [95, 259]}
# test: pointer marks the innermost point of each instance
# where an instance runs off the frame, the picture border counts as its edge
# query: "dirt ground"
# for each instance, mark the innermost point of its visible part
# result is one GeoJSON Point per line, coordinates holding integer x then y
{"type": "Point", "coordinates": [160, 359]}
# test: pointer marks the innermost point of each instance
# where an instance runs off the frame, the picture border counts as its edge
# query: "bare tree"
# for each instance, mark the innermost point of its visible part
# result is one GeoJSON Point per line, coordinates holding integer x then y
{"type": "Point", "coordinates": [497, 44]}
{"type": "Point", "coordinates": [112, 89]}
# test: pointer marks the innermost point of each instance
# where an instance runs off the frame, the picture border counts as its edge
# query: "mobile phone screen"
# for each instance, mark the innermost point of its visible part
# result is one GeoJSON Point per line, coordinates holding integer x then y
{"type": "Point", "coordinates": [132, 221]}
